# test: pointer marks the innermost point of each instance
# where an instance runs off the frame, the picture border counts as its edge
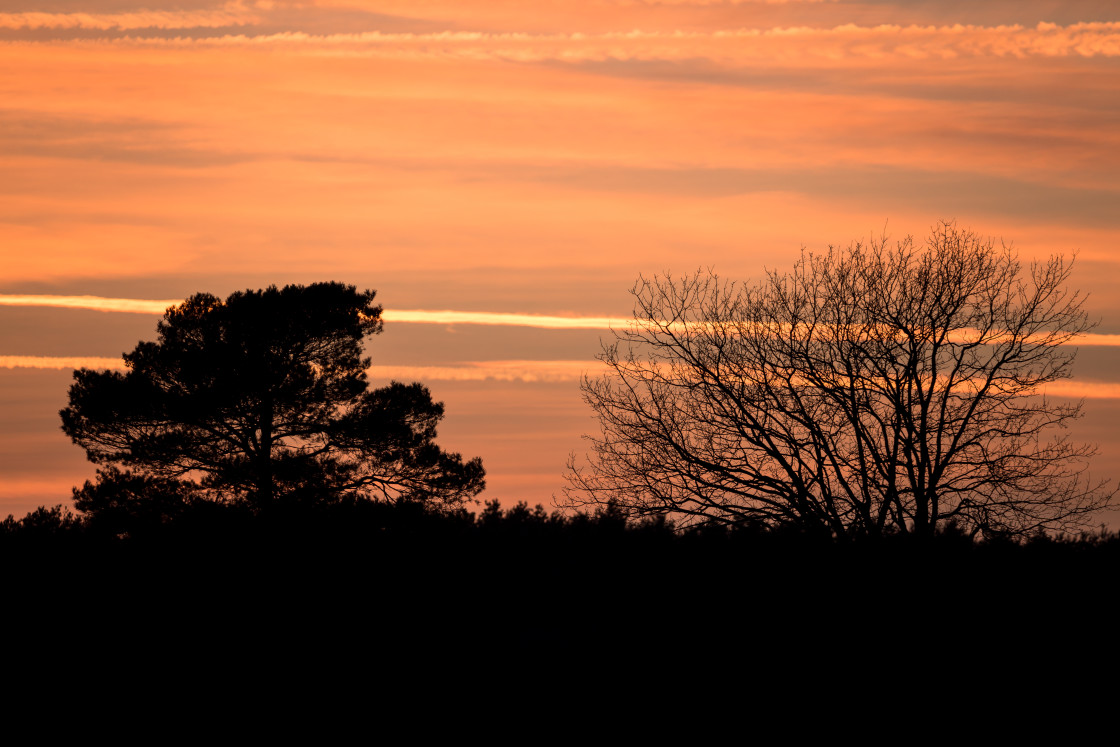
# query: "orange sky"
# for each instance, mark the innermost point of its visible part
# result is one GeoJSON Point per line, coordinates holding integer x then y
{"type": "Point", "coordinates": [519, 158]}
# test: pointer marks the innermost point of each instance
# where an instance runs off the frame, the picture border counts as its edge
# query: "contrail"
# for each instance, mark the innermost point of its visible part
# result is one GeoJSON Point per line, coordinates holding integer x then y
{"type": "Point", "coordinates": [96, 303]}
{"type": "Point", "coordinates": [59, 362]}
{"type": "Point", "coordinates": [515, 370]}
{"type": "Point", "coordinates": [549, 371]}
{"type": "Point", "coordinates": [414, 316]}
{"type": "Point", "coordinates": [424, 316]}
{"type": "Point", "coordinates": [500, 319]}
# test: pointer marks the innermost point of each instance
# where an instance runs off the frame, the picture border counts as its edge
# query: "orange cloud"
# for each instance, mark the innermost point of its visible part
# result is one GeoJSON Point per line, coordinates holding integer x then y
{"type": "Point", "coordinates": [418, 316]}
{"type": "Point", "coordinates": [94, 303]}
{"type": "Point", "coordinates": [340, 165]}
{"type": "Point", "coordinates": [59, 363]}
{"type": "Point", "coordinates": [515, 370]}
{"type": "Point", "coordinates": [794, 45]}
{"type": "Point", "coordinates": [540, 155]}
{"type": "Point", "coordinates": [524, 371]}
{"type": "Point", "coordinates": [18, 496]}
{"type": "Point", "coordinates": [490, 318]}
{"type": "Point", "coordinates": [442, 317]}
{"type": "Point", "coordinates": [146, 19]}
{"type": "Point", "coordinates": [1083, 389]}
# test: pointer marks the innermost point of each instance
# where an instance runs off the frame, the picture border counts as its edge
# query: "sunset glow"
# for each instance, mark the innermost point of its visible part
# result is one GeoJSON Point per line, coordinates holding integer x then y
{"type": "Point", "coordinates": [502, 172]}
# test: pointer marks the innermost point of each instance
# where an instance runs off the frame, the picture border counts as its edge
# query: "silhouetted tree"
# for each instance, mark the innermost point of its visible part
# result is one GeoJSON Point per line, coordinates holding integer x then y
{"type": "Point", "coordinates": [42, 524]}
{"type": "Point", "coordinates": [120, 502]}
{"type": "Point", "coordinates": [872, 389]}
{"type": "Point", "coordinates": [262, 396]}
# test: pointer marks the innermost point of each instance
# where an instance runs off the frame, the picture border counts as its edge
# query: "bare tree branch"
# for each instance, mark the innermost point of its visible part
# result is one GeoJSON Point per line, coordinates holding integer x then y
{"type": "Point", "coordinates": [873, 388]}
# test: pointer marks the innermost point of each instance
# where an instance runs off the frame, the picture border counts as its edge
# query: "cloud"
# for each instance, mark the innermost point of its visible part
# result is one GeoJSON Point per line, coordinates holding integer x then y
{"type": "Point", "coordinates": [95, 303]}
{"type": "Point", "coordinates": [20, 494]}
{"type": "Point", "coordinates": [706, 3]}
{"type": "Point", "coordinates": [523, 371]}
{"type": "Point", "coordinates": [1083, 389]}
{"type": "Point", "coordinates": [231, 15]}
{"type": "Point", "coordinates": [491, 318]}
{"type": "Point", "coordinates": [781, 45]}
{"type": "Point", "coordinates": [515, 370]}
{"type": "Point", "coordinates": [416, 316]}
{"type": "Point", "coordinates": [952, 192]}
{"type": "Point", "coordinates": [408, 316]}
{"type": "Point", "coordinates": [59, 362]}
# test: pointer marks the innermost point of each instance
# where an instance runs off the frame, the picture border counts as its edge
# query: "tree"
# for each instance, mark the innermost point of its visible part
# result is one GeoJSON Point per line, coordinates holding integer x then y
{"type": "Point", "coordinates": [873, 389]}
{"type": "Point", "coordinates": [121, 503]}
{"type": "Point", "coordinates": [260, 396]}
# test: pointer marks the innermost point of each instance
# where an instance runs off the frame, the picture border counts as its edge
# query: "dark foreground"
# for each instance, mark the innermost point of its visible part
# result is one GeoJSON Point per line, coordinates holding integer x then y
{"type": "Point", "coordinates": [370, 613]}
{"type": "Point", "coordinates": [326, 610]}
{"type": "Point", "coordinates": [363, 574]}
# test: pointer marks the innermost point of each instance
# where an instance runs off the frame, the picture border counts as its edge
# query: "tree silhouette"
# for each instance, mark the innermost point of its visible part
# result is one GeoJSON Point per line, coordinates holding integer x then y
{"type": "Point", "coordinates": [262, 396]}
{"type": "Point", "coordinates": [872, 389]}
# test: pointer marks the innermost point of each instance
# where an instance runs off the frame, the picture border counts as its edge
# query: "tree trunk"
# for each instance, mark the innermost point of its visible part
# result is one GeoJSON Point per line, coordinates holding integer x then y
{"type": "Point", "coordinates": [265, 489]}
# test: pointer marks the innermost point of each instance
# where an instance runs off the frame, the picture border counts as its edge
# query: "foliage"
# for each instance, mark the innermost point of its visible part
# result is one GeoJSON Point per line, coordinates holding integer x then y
{"type": "Point", "coordinates": [121, 503]}
{"type": "Point", "coordinates": [872, 389]}
{"type": "Point", "coordinates": [260, 397]}
{"type": "Point", "coordinates": [43, 524]}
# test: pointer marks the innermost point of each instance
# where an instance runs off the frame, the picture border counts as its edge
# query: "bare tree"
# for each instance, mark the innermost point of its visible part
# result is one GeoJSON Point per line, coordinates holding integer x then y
{"type": "Point", "coordinates": [872, 389]}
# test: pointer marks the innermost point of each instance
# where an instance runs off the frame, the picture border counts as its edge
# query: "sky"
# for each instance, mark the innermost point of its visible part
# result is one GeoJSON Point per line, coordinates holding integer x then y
{"type": "Point", "coordinates": [493, 168]}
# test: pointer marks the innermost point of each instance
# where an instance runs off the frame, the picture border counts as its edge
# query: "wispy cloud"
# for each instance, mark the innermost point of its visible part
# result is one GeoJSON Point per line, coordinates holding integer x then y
{"type": "Point", "coordinates": [708, 3]}
{"type": "Point", "coordinates": [94, 303]}
{"type": "Point", "coordinates": [423, 316]}
{"type": "Point", "coordinates": [231, 15]}
{"type": "Point", "coordinates": [20, 494]}
{"type": "Point", "coordinates": [1083, 389]}
{"type": "Point", "coordinates": [491, 318]}
{"type": "Point", "coordinates": [59, 362]}
{"type": "Point", "coordinates": [793, 45]}
{"type": "Point", "coordinates": [524, 371]}
{"type": "Point", "coordinates": [415, 316]}
{"type": "Point", "coordinates": [513, 370]}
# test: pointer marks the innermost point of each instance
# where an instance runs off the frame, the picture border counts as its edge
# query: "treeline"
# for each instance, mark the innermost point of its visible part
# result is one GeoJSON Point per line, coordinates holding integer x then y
{"type": "Point", "coordinates": [364, 580]}
{"type": "Point", "coordinates": [369, 522]}
{"type": "Point", "coordinates": [414, 537]}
